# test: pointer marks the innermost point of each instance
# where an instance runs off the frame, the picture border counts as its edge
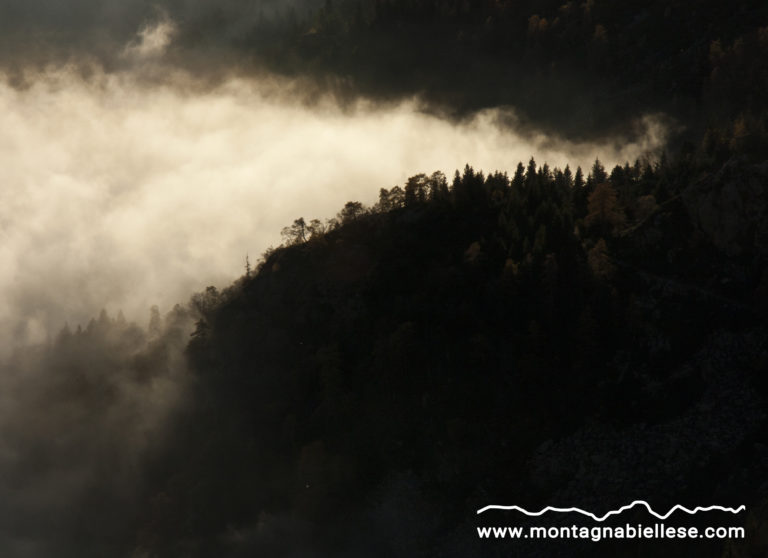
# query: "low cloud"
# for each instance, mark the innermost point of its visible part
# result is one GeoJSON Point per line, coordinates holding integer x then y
{"type": "Point", "coordinates": [121, 194]}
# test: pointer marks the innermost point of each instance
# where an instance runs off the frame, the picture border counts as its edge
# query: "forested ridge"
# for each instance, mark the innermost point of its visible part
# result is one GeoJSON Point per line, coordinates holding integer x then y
{"type": "Point", "coordinates": [546, 336]}
{"type": "Point", "coordinates": [543, 336]}
{"type": "Point", "coordinates": [550, 337]}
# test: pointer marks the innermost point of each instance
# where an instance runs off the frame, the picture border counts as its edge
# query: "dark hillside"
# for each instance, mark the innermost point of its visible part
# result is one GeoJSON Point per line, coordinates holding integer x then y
{"type": "Point", "coordinates": [381, 377]}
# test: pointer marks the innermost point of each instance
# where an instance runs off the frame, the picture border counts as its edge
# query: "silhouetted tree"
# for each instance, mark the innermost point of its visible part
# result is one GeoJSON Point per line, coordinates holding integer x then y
{"type": "Point", "coordinates": [296, 233]}
{"type": "Point", "coordinates": [352, 210]}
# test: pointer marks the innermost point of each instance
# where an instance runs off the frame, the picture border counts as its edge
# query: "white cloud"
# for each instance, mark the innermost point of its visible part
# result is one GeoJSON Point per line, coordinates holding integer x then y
{"type": "Point", "coordinates": [122, 195]}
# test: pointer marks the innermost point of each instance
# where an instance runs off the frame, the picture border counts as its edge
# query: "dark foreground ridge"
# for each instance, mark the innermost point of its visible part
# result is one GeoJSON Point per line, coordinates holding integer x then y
{"type": "Point", "coordinates": [540, 339]}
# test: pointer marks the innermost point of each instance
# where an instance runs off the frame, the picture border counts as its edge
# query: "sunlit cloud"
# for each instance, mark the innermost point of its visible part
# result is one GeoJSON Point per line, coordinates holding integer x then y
{"type": "Point", "coordinates": [120, 194]}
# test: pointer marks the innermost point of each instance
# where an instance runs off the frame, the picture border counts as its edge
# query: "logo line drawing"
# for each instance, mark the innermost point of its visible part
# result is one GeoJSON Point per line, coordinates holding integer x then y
{"type": "Point", "coordinates": [614, 512]}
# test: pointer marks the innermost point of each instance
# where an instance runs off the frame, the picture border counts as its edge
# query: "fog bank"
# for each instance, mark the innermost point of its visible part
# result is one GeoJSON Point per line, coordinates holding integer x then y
{"type": "Point", "coordinates": [120, 194]}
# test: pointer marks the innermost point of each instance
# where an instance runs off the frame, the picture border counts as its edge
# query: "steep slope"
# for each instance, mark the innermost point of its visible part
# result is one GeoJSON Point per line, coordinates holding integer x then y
{"type": "Point", "coordinates": [534, 339]}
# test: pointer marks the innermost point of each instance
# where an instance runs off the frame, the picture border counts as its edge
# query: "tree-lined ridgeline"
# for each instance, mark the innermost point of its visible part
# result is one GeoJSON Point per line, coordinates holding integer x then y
{"type": "Point", "coordinates": [388, 371]}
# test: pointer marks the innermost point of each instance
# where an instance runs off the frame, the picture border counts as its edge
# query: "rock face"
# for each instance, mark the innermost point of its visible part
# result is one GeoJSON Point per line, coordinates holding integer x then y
{"type": "Point", "coordinates": [731, 207]}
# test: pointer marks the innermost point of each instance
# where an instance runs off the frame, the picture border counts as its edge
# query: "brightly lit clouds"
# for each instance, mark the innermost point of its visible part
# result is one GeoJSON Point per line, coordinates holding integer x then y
{"type": "Point", "coordinates": [123, 192]}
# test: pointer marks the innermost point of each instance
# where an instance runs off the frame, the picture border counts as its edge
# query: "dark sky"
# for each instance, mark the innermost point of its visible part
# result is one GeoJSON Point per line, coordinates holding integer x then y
{"type": "Point", "coordinates": [39, 31]}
